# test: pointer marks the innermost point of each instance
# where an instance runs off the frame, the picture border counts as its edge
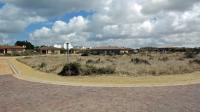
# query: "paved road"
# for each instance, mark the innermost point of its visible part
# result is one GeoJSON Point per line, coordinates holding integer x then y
{"type": "Point", "coordinates": [23, 96]}
{"type": "Point", "coordinates": [4, 67]}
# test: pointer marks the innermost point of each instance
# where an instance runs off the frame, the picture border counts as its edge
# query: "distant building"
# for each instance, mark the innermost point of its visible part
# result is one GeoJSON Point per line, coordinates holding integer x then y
{"type": "Point", "coordinates": [109, 50]}
{"type": "Point", "coordinates": [57, 46]}
{"type": "Point", "coordinates": [51, 50]}
{"type": "Point", "coordinates": [11, 49]}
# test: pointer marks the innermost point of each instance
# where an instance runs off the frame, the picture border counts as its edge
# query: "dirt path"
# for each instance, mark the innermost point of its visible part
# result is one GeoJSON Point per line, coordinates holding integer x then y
{"type": "Point", "coordinates": [4, 67]}
{"type": "Point", "coordinates": [23, 96]}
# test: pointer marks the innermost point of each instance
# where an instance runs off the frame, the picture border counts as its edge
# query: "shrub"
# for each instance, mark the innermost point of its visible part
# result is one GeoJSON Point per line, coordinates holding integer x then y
{"type": "Point", "coordinates": [164, 58]}
{"type": "Point", "coordinates": [190, 55]}
{"type": "Point", "coordinates": [71, 69]}
{"type": "Point", "coordinates": [139, 61]}
{"type": "Point", "coordinates": [90, 61]}
{"type": "Point", "coordinates": [89, 69]}
{"type": "Point", "coordinates": [85, 54]}
{"type": "Point", "coordinates": [75, 69]}
{"type": "Point", "coordinates": [197, 61]}
{"type": "Point", "coordinates": [93, 61]}
{"type": "Point", "coordinates": [42, 65]}
{"type": "Point", "coordinates": [105, 70]}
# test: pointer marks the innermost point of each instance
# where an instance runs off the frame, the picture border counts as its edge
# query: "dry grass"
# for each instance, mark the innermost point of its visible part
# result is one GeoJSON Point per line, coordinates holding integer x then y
{"type": "Point", "coordinates": [160, 64]}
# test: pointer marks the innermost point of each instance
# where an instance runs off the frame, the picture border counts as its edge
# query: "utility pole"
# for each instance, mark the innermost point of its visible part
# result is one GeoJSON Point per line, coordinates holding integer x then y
{"type": "Point", "coordinates": [67, 53]}
{"type": "Point", "coordinates": [69, 72]}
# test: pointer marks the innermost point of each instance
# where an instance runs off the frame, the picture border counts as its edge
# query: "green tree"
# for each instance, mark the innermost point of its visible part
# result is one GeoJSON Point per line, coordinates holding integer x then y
{"type": "Point", "coordinates": [28, 45]}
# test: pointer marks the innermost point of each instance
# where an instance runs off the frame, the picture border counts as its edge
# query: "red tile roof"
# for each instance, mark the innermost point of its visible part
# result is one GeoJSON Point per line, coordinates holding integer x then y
{"type": "Point", "coordinates": [50, 48]}
{"type": "Point", "coordinates": [12, 47]}
{"type": "Point", "coordinates": [109, 48]}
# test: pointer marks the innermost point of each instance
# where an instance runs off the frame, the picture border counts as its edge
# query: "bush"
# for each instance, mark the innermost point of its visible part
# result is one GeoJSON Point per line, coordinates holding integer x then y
{"type": "Point", "coordinates": [190, 55]}
{"type": "Point", "coordinates": [197, 61]}
{"type": "Point", "coordinates": [85, 54]}
{"type": "Point", "coordinates": [93, 61]}
{"type": "Point", "coordinates": [90, 61]}
{"type": "Point", "coordinates": [75, 69]}
{"type": "Point", "coordinates": [164, 59]}
{"type": "Point", "coordinates": [42, 65]}
{"type": "Point", "coordinates": [71, 69]}
{"type": "Point", "coordinates": [89, 69]}
{"type": "Point", "coordinates": [139, 61]}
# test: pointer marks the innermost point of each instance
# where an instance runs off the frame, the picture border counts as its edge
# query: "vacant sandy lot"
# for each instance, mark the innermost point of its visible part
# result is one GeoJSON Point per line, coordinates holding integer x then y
{"type": "Point", "coordinates": [151, 64]}
{"type": "Point", "coordinates": [22, 96]}
{"type": "Point", "coordinates": [4, 67]}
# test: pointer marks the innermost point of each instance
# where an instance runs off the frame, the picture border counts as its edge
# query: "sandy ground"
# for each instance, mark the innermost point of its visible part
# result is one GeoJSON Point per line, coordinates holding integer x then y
{"type": "Point", "coordinates": [4, 67]}
{"type": "Point", "coordinates": [28, 73]}
{"type": "Point", "coordinates": [23, 96]}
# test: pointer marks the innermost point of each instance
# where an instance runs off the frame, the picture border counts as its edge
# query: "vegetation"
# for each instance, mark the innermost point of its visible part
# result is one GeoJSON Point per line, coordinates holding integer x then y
{"type": "Point", "coordinates": [75, 69]}
{"type": "Point", "coordinates": [197, 61]}
{"type": "Point", "coordinates": [42, 65]}
{"type": "Point", "coordinates": [128, 65]}
{"type": "Point", "coordinates": [25, 43]}
{"type": "Point", "coordinates": [140, 61]}
{"type": "Point", "coordinates": [71, 69]}
{"type": "Point", "coordinates": [190, 54]}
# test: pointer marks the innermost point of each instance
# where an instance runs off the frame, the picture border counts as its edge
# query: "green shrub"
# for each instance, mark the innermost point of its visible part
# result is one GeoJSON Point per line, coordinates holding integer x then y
{"type": "Point", "coordinates": [164, 58]}
{"type": "Point", "coordinates": [90, 61]}
{"type": "Point", "coordinates": [89, 69]}
{"type": "Point", "coordinates": [42, 65]}
{"type": "Point", "coordinates": [190, 55]}
{"type": "Point", "coordinates": [139, 61]}
{"type": "Point", "coordinates": [197, 61]}
{"type": "Point", "coordinates": [93, 61]}
{"type": "Point", "coordinates": [75, 69]}
{"type": "Point", "coordinates": [71, 69]}
{"type": "Point", "coordinates": [85, 54]}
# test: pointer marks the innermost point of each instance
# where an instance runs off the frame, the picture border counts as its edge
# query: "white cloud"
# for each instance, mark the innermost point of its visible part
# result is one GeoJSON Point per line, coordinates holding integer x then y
{"type": "Point", "coordinates": [15, 20]}
{"type": "Point", "coordinates": [72, 31]}
{"type": "Point", "coordinates": [132, 23]}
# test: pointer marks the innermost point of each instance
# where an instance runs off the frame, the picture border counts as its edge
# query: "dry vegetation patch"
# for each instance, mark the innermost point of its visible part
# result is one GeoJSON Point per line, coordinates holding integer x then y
{"type": "Point", "coordinates": [141, 64]}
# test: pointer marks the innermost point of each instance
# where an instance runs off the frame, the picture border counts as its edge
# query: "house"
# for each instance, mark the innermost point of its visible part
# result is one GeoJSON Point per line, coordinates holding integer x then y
{"type": "Point", "coordinates": [51, 50]}
{"type": "Point", "coordinates": [12, 49]}
{"type": "Point", "coordinates": [109, 50]}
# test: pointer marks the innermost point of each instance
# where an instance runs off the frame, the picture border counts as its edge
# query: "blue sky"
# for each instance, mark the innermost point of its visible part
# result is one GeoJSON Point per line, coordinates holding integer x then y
{"type": "Point", "coordinates": [127, 23]}
{"type": "Point", "coordinates": [66, 17]}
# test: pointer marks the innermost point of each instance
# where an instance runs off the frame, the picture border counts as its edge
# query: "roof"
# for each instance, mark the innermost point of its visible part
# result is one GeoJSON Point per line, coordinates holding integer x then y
{"type": "Point", "coordinates": [109, 48]}
{"type": "Point", "coordinates": [50, 48]}
{"type": "Point", "coordinates": [12, 47]}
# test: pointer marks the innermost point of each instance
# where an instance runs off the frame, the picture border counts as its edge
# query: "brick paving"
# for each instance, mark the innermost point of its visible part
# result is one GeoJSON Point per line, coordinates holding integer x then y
{"type": "Point", "coordinates": [22, 96]}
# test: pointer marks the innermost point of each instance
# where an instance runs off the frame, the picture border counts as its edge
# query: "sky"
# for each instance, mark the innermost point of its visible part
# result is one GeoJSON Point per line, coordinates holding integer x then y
{"type": "Point", "coordinates": [127, 23]}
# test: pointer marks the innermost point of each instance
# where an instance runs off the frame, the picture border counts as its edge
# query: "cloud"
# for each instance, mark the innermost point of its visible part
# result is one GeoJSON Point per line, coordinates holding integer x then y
{"type": "Point", "coordinates": [154, 6]}
{"type": "Point", "coordinates": [15, 20]}
{"type": "Point", "coordinates": [49, 8]}
{"type": "Point", "coordinates": [72, 31]}
{"type": "Point", "coordinates": [131, 23]}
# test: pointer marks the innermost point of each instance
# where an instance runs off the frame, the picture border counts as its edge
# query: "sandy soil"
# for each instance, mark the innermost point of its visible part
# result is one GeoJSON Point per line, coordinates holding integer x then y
{"type": "Point", "coordinates": [22, 96]}
{"type": "Point", "coordinates": [4, 67]}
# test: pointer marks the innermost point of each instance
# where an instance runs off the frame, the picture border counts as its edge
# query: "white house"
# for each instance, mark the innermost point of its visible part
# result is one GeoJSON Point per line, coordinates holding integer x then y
{"type": "Point", "coordinates": [57, 46]}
